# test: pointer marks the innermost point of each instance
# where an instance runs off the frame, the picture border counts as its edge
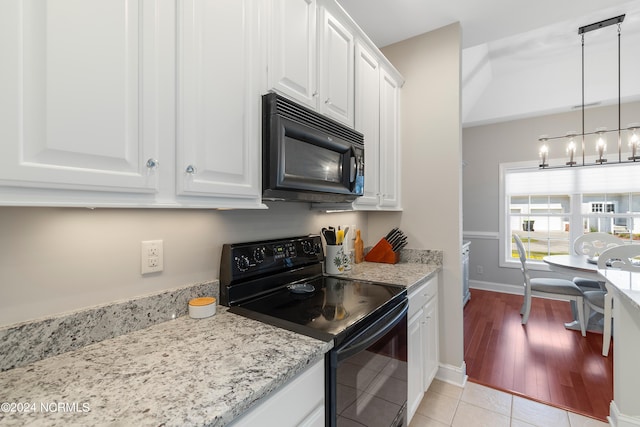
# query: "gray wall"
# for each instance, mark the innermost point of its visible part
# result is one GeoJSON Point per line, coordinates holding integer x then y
{"type": "Point", "coordinates": [485, 147]}
{"type": "Point", "coordinates": [431, 168]}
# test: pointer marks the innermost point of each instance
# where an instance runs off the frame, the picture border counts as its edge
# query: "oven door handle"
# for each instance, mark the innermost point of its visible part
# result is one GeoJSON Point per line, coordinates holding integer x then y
{"type": "Point", "coordinates": [372, 334]}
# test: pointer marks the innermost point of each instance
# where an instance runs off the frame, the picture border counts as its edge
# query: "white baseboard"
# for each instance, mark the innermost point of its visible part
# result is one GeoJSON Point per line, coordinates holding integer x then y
{"type": "Point", "coordinates": [485, 235]}
{"type": "Point", "coordinates": [452, 374]}
{"type": "Point", "coordinates": [618, 419]}
{"type": "Point", "coordinates": [496, 287]}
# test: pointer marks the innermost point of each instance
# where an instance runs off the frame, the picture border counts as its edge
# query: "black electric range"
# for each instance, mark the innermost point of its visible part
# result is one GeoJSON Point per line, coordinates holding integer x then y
{"type": "Point", "coordinates": [281, 282]}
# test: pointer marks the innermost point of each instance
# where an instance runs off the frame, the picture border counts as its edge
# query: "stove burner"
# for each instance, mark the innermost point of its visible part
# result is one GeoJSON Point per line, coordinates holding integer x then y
{"type": "Point", "coordinates": [301, 288]}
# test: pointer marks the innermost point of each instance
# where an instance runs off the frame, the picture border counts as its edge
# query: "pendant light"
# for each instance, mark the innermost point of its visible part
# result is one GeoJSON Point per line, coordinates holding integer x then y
{"type": "Point", "coordinates": [576, 140]}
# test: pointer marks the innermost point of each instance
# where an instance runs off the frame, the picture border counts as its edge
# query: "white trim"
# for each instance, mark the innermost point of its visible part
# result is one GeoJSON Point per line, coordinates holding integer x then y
{"type": "Point", "coordinates": [618, 419]}
{"type": "Point", "coordinates": [504, 288]}
{"type": "Point", "coordinates": [501, 217]}
{"type": "Point", "coordinates": [452, 374]}
{"type": "Point", "coordinates": [488, 235]}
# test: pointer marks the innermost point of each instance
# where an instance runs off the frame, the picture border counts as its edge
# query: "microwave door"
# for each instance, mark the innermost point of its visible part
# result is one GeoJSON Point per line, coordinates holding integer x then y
{"type": "Point", "coordinates": [312, 161]}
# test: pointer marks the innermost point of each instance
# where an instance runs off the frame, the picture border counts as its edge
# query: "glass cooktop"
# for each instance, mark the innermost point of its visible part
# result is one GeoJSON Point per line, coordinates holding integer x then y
{"type": "Point", "coordinates": [322, 307]}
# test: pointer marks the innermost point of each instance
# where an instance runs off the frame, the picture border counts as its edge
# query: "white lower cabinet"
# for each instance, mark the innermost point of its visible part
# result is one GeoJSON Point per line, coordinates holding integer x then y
{"type": "Point", "coordinates": [299, 403]}
{"type": "Point", "coordinates": [422, 335]}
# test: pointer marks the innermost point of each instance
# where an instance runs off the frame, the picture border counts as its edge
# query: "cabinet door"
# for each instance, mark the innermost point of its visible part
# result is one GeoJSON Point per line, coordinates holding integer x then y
{"type": "Point", "coordinates": [367, 121]}
{"type": "Point", "coordinates": [415, 363]}
{"type": "Point", "coordinates": [302, 400]}
{"type": "Point", "coordinates": [80, 86]}
{"type": "Point", "coordinates": [218, 138]}
{"type": "Point", "coordinates": [389, 141]}
{"type": "Point", "coordinates": [336, 70]}
{"type": "Point", "coordinates": [430, 339]}
{"type": "Point", "coordinates": [292, 57]}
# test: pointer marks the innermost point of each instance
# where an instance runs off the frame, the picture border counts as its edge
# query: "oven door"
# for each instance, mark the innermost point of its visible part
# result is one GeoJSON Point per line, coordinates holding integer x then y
{"type": "Point", "coordinates": [367, 374]}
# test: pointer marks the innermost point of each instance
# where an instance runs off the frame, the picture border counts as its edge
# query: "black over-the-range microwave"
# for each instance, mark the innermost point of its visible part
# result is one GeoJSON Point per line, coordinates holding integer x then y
{"type": "Point", "coordinates": [307, 156]}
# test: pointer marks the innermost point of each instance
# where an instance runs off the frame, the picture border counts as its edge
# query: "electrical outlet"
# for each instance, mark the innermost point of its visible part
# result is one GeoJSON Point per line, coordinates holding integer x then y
{"type": "Point", "coordinates": [479, 269]}
{"type": "Point", "coordinates": [151, 256]}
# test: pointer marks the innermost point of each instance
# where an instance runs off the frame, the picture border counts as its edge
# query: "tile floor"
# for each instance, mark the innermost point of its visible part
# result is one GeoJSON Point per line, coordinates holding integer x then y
{"type": "Point", "coordinates": [476, 406]}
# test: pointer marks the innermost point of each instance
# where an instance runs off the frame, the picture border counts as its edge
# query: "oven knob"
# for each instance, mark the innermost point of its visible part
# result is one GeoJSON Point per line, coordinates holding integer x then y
{"type": "Point", "coordinates": [242, 262]}
{"type": "Point", "coordinates": [317, 248]}
{"type": "Point", "coordinates": [258, 255]}
{"type": "Point", "coordinates": [306, 247]}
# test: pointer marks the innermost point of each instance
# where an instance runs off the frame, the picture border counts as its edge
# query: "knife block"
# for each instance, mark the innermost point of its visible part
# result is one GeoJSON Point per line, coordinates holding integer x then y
{"type": "Point", "coordinates": [382, 252]}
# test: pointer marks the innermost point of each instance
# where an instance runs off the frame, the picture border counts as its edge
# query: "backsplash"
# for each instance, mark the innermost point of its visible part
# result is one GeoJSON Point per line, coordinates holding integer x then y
{"type": "Point", "coordinates": [28, 342]}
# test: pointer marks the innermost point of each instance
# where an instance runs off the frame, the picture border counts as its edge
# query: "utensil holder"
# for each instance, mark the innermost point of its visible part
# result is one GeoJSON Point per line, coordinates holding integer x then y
{"type": "Point", "coordinates": [335, 261]}
{"type": "Point", "coordinates": [382, 252]}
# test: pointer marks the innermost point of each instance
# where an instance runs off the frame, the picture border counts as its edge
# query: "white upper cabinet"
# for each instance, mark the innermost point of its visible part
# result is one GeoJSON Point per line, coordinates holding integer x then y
{"type": "Point", "coordinates": [218, 108]}
{"type": "Point", "coordinates": [389, 141]}
{"type": "Point", "coordinates": [292, 58]}
{"type": "Point", "coordinates": [367, 121]}
{"type": "Point", "coordinates": [377, 117]}
{"type": "Point", "coordinates": [80, 84]}
{"type": "Point", "coordinates": [157, 103]}
{"type": "Point", "coordinates": [336, 70]}
{"type": "Point", "coordinates": [311, 57]}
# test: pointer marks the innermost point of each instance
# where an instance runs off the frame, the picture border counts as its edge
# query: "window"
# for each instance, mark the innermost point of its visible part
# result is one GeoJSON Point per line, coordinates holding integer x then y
{"type": "Point", "coordinates": [549, 209]}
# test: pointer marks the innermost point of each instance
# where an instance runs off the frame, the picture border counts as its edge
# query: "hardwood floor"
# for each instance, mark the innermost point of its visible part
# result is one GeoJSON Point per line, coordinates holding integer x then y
{"type": "Point", "coordinates": [541, 360]}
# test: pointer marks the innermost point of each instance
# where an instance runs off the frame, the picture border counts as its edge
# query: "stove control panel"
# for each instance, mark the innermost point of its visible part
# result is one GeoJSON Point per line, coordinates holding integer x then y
{"type": "Point", "coordinates": [241, 261]}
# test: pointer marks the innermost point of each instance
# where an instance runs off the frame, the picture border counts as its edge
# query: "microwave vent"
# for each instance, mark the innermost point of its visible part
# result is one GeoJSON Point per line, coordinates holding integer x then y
{"type": "Point", "coordinates": [298, 113]}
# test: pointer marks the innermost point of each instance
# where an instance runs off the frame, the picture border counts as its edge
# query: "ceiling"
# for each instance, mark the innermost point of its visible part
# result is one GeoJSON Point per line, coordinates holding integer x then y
{"type": "Point", "coordinates": [520, 58]}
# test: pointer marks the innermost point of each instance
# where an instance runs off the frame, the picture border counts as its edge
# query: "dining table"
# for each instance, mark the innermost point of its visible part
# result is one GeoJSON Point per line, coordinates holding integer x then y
{"type": "Point", "coordinates": [578, 265]}
{"type": "Point", "coordinates": [574, 265]}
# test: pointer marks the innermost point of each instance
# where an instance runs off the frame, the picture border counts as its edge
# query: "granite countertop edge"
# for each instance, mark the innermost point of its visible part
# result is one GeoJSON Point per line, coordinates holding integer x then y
{"type": "Point", "coordinates": [626, 284]}
{"type": "Point", "coordinates": [198, 372]}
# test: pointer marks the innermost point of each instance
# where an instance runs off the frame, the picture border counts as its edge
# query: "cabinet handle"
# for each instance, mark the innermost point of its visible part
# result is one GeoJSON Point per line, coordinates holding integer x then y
{"type": "Point", "coordinates": [328, 101]}
{"type": "Point", "coordinates": [191, 170]}
{"type": "Point", "coordinates": [152, 163]}
{"type": "Point", "coordinates": [314, 94]}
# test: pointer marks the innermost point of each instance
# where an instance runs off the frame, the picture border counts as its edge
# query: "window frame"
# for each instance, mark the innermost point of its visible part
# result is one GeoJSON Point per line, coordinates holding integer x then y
{"type": "Point", "coordinates": [575, 215]}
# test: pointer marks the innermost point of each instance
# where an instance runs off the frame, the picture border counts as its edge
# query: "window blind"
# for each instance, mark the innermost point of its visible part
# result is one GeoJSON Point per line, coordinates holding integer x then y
{"type": "Point", "coordinates": [586, 179]}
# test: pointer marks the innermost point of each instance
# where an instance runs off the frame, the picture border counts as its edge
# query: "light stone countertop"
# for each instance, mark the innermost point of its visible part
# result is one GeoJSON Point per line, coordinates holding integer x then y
{"type": "Point", "coordinates": [184, 372]}
{"type": "Point", "coordinates": [626, 283]}
{"type": "Point", "coordinates": [404, 274]}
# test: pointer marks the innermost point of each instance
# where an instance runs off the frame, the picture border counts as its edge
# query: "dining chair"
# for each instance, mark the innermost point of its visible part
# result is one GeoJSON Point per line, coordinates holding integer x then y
{"type": "Point", "coordinates": [592, 245]}
{"type": "Point", "coordinates": [624, 257]}
{"type": "Point", "coordinates": [547, 287]}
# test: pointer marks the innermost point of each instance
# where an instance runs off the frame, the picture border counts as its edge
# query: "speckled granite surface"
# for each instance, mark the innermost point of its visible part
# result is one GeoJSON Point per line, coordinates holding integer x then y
{"type": "Point", "coordinates": [28, 342]}
{"type": "Point", "coordinates": [405, 274]}
{"type": "Point", "coordinates": [179, 372]}
{"type": "Point", "coordinates": [421, 256]}
{"type": "Point", "coordinates": [183, 372]}
{"type": "Point", "coordinates": [415, 267]}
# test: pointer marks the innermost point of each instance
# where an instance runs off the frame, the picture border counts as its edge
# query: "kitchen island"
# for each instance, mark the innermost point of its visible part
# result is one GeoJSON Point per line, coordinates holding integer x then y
{"type": "Point", "coordinates": [625, 287]}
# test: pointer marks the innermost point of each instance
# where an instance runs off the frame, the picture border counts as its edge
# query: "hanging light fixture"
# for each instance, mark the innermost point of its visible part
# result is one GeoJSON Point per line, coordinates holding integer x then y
{"type": "Point", "coordinates": [634, 141]}
{"type": "Point", "coordinates": [577, 140]}
{"type": "Point", "coordinates": [571, 149]}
